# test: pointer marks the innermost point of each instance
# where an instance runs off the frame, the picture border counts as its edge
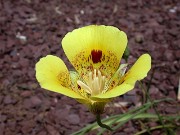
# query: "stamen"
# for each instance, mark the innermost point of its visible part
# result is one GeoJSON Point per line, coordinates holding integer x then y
{"type": "Point", "coordinates": [94, 73]}
{"type": "Point", "coordinates": [99, 76]}
{"type": "Point", "coordinates": [90, 80]}
{"type": "Point", "coordinates": [84, 86]}
{"type": "Point", "coordinates": [96, 86]}
{"type": "Point", "coordinates": [90, 77]}
{"type": "Point", "coordinates": [96, 83]}
{"type": "Point", "coordinates": [99, 73]}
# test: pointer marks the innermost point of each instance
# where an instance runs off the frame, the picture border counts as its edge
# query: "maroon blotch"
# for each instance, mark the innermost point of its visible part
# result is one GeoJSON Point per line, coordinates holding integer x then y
{"type": "Point", "coordinates": [96, 56]}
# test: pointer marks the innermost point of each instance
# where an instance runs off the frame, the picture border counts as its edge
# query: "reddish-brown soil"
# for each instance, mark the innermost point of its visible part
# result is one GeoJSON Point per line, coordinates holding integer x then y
{"type": "Point", "coordinates": [152, 26]}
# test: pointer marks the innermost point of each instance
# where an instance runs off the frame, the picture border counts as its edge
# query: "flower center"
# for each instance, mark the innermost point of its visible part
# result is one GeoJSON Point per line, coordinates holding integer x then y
{"type": "Point", "coordinates": [95, 84]}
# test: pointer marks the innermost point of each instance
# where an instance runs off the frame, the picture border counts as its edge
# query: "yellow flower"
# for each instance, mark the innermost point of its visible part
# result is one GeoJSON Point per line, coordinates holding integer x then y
{"type": "Point", "coordinates": [95, 52]}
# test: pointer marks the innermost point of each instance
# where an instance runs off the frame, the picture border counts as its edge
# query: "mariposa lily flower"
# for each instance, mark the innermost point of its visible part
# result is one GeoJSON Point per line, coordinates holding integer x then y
{"type": "Point", "coordinates": [95, 52]}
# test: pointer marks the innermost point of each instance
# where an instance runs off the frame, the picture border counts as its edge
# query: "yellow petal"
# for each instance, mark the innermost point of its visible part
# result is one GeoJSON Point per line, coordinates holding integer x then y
{"type": "Point", "coordinates": [95, 47]}
{"type": "Point", "coordinates": [52, 74]}
{"type": "Point", "coordinates": [138, 71]}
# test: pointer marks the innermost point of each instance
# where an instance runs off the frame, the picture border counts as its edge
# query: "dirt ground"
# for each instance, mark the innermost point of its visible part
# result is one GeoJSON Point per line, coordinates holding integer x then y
{"type": "Point", "coordinates": [31, 29]}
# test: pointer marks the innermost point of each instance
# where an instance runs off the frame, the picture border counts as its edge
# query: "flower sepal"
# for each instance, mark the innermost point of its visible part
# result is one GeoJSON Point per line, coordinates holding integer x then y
{"type": "Point", "coordinates": [97, 107]}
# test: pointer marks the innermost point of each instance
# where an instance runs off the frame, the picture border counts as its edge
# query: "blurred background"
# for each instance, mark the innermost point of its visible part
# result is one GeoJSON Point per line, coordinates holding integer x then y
{"type": "Point", "coordinates": [31, 29]}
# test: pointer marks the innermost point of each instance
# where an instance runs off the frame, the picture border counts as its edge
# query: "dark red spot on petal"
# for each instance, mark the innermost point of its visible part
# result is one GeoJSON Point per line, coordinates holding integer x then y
{"type": "Point", "coordinates": [96, 56]}
{"type": "Point", "coordinates": [79, 87]}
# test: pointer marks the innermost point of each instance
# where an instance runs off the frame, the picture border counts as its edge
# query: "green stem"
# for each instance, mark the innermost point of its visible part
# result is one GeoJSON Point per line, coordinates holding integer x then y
{"type": "Point", "coordinates": [154, 107]}
{"type": "Point", "coordinates": [149, 84]}
{"type": "Point", "coordinates": [154, 128]}
{"type": "Point", "coordinates": [98, 118]}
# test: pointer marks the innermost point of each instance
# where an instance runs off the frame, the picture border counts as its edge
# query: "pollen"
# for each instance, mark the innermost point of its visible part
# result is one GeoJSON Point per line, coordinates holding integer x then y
{"type": "Point", "coordinates": [95, 84]}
